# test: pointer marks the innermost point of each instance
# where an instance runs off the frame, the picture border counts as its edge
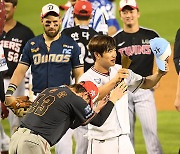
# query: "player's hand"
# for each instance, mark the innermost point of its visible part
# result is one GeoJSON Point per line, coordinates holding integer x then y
{"type": "Point", "coordinates": [9, 100]}
{"type": "Point", "coordinates": [100, 105]}
{"type": "Point", "coordinates": [160, 72]}
{"type": "Point", "coordinates": [118, 92]}
{"type": "Point", "coordinates": [177, 104]}
{"type": "Point", "coordinates": [4, 111]}
{"type": "Point", "coordinates": [121, 74]}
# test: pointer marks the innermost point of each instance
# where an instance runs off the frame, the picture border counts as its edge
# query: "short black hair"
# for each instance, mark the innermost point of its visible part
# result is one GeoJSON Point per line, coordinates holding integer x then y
{"type": "Point", "coordinates": [14, 2]}
{"type": "Point", "coordinates": [52, 14]}
{"type": "Point", "coordinates": [80, 17]}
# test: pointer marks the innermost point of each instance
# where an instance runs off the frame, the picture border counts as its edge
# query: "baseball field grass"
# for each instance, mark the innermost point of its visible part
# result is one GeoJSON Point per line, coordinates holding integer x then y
{"type": "Point", "coordinates": [160, 15]}
{"type": "Point", "coordinates": [168, 131]}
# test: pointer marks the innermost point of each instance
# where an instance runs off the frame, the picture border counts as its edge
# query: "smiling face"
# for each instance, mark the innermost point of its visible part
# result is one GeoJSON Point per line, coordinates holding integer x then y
{"type": "Point", "coordinates": [129, 16]}
{"type": "Point", "coordinates": [10, 10]}
{"type": "Point", "coordinates": [51, 25]}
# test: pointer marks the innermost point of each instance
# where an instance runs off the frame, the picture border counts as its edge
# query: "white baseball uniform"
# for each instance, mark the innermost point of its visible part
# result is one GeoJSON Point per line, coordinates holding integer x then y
{"type": "Point", "coordinates": [113, 135]}
{"type": "Point", "coordinates": [4, 139]}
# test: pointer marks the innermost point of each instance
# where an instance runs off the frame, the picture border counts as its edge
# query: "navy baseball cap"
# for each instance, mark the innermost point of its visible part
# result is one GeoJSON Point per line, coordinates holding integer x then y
{"type": "Point", "coordinates": [162, 50]}
{"type": "Point", "coordinates": [92, 90]}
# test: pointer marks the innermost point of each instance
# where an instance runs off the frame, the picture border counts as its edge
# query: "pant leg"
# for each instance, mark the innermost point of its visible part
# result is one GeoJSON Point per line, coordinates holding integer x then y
{"type": "Point", "coordinates": [132, 116]}
{"type": "Point", "coordinates": [81, 141]}
{"type": "Point", "coordinates": [146, 111]}
{"type": "Point", "coordinates": [64, 146]}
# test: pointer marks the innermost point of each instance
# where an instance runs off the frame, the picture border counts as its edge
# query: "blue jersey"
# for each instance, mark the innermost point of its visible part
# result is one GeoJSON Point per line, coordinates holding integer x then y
{"type": "Point", "coordinates": [51, 68]}
{"type": "Point", "coordinates": [107, 9]}
{"type": "Point", "coordinates": [97, 21]}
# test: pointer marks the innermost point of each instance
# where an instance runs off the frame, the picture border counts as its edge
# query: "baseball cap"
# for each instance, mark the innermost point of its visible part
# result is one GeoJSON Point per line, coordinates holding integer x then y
{"type": "Point", "coordinates": [92, 89]}
{"type": "Point", "coordinates": [50, 8]}
{"type": "Point", "coordinates": [83, 8]}
{"type": "Point", "coordinates": [162, 50]}
{"type": "Point", "coordinates": [131, 3]}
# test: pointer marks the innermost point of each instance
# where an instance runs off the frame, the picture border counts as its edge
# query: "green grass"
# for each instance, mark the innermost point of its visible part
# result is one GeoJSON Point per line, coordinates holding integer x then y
{"type": "Point", "coordinates": [168, 131]}
{"type": "Point", "coordinates": [160, 15]}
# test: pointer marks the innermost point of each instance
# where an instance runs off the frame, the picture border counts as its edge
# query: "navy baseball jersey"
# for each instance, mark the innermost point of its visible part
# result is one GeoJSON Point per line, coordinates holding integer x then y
{"type": "Point", "coordinates": [56, 109]}
{"type": "Point", "coordinates": [176, 57]}
{"type": "Point", "coordinates": [53, 67]}
{"type": "Point", "coordinates": [137, 47]}
{"type": "Point", "coordinates": [82, 35]}
{"type": "Point", "coordinates": [13, 42]}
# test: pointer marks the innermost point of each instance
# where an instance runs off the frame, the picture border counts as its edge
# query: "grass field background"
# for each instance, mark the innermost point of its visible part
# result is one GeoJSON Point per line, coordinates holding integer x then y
{"type": "Point", "coordinates": [160, 15]}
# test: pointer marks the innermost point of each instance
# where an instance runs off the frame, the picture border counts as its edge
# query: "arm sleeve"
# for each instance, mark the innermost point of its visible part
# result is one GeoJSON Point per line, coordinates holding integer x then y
{"type": "Point", "coordinates": [101, 117]}
{"type": "Point", "coordinates": [95, 119]}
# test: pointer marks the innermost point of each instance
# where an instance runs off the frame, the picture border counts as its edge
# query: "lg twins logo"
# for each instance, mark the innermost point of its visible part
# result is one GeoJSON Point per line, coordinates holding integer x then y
{"type": "Point", "coordinates": [92, 93]}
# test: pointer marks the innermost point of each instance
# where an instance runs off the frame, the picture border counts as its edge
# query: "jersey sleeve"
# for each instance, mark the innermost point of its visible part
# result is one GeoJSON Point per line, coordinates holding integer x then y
{"type": "Point", "coordinates": [84, 113]}
{"type": "Point", "coordinates": [25, 57]}
{"type": "Point", "coordinates": [3, 64]}
{"type": "Point", "coordinates": [77, 58]}
{"type": "Point", "coordinates": [176, 57]}
{"type": "Point", "coordinates": [134, 81]}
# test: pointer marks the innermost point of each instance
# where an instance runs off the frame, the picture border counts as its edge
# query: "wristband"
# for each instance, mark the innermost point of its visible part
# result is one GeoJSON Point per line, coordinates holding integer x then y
{"type": "Point", "coordinates": [11, 89]}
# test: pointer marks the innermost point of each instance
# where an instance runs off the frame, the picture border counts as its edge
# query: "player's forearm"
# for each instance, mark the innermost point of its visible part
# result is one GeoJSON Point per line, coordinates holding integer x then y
{"type": "Point", "coordinates": [105, 89]}
{"type": "Point", "coordinates": [177, 99]}
{"type": "Point", "coordinates": [16, 79]}
{"type": "Point", "coordinates": [78, 72]}
{"type": "Point", "coordinates": [101, 117]}
{"type": "Point", "coordinates": [151, 80]}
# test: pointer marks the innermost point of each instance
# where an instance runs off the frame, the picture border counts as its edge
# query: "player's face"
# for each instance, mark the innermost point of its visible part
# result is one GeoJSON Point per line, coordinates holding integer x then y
{"type": "Point", "coordinates": [51, 25]}
{"type": "Point", "coordinates": [85, 96]}
{"type": "Point", "coordinates": [108, 59]}
{"type": "Point", "coordinates": [10, 9]}
{"type": "Point", "coordinates": [129, 17]}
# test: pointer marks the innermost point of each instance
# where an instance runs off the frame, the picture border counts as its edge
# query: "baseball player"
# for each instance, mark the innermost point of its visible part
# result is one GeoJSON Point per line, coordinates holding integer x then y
{"type": "Point", "coordinates": [14, 39]}
{"type": "Point", "coordinates": [176, 59]}
{"type": "Point", "coordinates": [81, 33]}
{"type": "Point", "coordinates": [52, 56]}
{"type": "Point", "coordinates": [106, 7]}
{"type": "Point", "coordinates": [133, 41]}
{"type": "Point", "coordinates": [97, 22]}
{"type": "Point", "coordinates": [55, 110]}
{"type": "Point", "coordinates": [4, 139]}
{"type": "Point", "coordinates": [113, 135]}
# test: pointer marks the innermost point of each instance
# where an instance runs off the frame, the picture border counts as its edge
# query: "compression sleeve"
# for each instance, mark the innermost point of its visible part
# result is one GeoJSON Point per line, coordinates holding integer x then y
{"type": "Point", "coordinates": [101, 117]}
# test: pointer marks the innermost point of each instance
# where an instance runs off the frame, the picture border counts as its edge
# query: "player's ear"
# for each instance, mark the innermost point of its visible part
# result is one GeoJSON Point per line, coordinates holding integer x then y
{"type": "Point", "coordinates": [97, 55]}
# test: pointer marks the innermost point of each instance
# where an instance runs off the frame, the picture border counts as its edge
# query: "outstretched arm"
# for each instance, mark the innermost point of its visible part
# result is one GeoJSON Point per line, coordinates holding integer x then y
{"type": "Point", "coordinates": [16, 79]}
{"type": "Point", "coordinates": [152, 80]}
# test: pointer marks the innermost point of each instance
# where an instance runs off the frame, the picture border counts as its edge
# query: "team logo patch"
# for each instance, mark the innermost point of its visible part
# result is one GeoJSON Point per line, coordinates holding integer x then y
{"type": "Point", "coordinates": [98, 81]}
{"type": "Point", "coordinates": [35, 50]}
{"type": "Point", "coordinates": [88, 111]}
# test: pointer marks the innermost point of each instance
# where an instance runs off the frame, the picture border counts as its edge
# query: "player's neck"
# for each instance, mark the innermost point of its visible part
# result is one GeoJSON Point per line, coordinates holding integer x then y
{"type": "Point", "coordinates": [131, 29]}
{"type": "Point", "coordinates": [10, 24]}
{"type": "Point", "coordinates": [101, 69]}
